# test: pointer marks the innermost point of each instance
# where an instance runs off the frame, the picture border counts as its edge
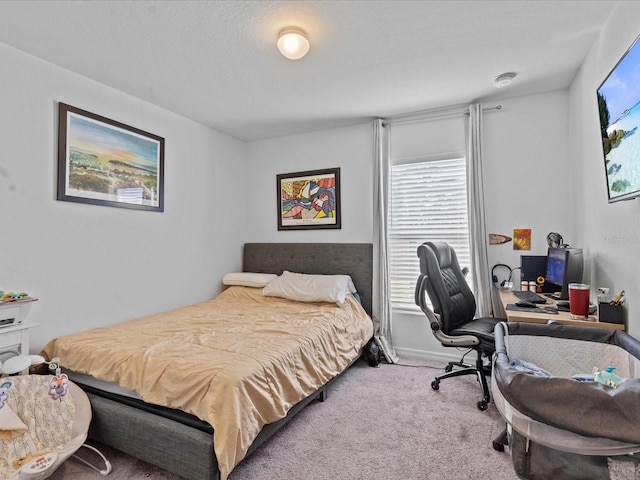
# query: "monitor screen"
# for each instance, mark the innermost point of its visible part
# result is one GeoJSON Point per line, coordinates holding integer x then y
{"type": "Point", "coordinates": [556, 264]}
{"type": "Point", "coordinates": [532, 267]}
{"type": "Point", "coordinates": [564, 266]}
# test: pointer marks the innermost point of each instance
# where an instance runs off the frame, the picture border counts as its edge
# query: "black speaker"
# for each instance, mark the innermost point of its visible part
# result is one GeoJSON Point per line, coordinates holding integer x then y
{"type": "Point", "coordinates": [532, 267]}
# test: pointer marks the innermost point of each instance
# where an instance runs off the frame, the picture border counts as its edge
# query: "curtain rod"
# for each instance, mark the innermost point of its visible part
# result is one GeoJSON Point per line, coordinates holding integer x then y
{"type": "Point", "coordinates": [429, 115]}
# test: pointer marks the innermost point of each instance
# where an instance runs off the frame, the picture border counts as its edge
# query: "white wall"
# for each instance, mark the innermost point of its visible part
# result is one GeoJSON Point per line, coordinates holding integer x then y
{"type": "Point", "coordinates": [350, 148]}
{"type": "Point", "coordinates": [93, 265]}
{"type": "Point", "coordinates": [610, 233]}
{"type": "Point", "coordinates": [527, 179]}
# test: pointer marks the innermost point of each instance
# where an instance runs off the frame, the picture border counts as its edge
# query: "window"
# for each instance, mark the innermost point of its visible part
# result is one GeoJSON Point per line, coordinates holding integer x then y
{"type": "Point", "coordinates": [428, 202]}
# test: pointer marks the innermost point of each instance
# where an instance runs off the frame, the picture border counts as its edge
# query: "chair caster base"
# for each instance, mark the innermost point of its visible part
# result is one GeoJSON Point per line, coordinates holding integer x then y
{"type": "Point", "coordinates": [435, 385]}
{"type": "Point", "coordinates": [482, 405]}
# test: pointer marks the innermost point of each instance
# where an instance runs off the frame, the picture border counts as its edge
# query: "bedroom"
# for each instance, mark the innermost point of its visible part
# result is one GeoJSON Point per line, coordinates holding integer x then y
{"type": "Point", "coordinates": [92, 266]}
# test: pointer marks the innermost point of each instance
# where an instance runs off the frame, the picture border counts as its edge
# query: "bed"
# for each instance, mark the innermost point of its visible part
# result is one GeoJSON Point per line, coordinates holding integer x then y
{"type": "Point", "coordinates": [248, 376]}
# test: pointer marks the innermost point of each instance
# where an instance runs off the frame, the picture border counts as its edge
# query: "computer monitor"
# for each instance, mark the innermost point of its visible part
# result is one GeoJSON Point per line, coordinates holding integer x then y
{"type": "Point", "coordinates": [532, 267]}
{"type": "Point", "coordinates": [564, 266]}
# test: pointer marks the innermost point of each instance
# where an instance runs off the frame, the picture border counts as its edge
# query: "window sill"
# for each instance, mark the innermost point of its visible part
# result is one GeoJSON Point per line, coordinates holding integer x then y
{"type": "Point", "coordinates": [407, 310]}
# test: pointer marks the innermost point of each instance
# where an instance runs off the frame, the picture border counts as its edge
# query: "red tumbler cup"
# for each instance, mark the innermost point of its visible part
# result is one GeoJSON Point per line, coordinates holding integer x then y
{"type": "Point", "coordinates": [579, 300]}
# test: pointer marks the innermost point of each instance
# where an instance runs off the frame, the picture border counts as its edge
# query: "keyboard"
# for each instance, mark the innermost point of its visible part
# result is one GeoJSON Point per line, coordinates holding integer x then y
{"type": "Point", "coordinates": [529, 296]}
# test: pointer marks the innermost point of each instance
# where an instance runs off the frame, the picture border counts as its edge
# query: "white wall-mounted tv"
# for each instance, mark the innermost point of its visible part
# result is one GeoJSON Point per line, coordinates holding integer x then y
{"type": "Point", "coordinates": [619, 108]}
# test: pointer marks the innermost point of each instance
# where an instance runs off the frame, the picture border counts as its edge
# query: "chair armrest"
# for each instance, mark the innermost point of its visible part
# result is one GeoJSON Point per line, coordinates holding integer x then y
{"type": "Point", "coordinates": [456, 341]}
{"type": "Point", "coordinates": [434, 320]}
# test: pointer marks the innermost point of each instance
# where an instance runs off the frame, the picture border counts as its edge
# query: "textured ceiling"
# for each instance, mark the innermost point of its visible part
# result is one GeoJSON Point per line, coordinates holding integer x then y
{"type": "Point", "coordinates": [216, 62]}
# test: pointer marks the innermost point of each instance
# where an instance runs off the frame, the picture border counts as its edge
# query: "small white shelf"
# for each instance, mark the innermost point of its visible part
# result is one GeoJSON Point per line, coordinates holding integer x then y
{"type": "Point", "coordinates": [15, 335]}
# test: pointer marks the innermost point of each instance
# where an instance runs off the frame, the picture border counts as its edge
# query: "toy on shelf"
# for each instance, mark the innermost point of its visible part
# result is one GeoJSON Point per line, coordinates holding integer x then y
{"type": "Point", "coordinates": [6, 297]}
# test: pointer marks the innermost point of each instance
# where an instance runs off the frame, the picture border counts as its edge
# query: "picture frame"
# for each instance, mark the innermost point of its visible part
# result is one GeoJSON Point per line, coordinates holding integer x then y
{"type": "Point", "coordinates": [309, 200]}
{"type": "Point", "coordinates": [522, 239]}
{"type": "Point", "coordinates": [105, 162]}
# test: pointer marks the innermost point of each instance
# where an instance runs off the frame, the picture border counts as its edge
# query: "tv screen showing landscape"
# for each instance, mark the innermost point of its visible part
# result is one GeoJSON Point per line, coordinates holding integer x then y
{"type": "Point", "coordinates": [619, 108]}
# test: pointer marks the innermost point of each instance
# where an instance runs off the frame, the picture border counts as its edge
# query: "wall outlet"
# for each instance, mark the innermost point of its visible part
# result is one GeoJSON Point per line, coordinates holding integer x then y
{"type": "Point", "coordinates": [602, 294]}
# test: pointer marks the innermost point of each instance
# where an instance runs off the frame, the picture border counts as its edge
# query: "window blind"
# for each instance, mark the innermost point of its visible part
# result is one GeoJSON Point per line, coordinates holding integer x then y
{"type": "Point", "coordinates": [428, 202]}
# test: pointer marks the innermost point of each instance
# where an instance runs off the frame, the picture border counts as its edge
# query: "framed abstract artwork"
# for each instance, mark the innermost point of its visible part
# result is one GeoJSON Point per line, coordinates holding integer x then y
{"type": "Point", "coordinates": [104, 162]}
{"type": "Point", "coordinates": [309, 200]}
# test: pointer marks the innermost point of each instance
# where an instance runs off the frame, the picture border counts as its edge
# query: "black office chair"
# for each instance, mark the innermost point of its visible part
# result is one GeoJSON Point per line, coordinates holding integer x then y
{"type": "Point", "coordinates": [453, 323]}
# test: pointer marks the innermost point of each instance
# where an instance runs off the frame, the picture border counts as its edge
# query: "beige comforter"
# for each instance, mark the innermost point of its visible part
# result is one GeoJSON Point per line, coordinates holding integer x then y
{"type": "Point", "coordinates": [239, 361]}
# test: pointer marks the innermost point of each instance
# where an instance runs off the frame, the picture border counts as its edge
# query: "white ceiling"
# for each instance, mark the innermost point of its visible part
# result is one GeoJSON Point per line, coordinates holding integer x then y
{"type": "Point", "coordinates": [216, 61]}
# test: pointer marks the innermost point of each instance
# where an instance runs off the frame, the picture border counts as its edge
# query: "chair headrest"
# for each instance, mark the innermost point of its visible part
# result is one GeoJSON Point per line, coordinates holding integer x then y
{"type": "Point", "coordinates": [442, 251]}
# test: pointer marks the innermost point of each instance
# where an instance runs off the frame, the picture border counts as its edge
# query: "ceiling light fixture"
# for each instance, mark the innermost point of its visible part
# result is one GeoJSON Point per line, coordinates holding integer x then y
{"type": "Point", "coordinates": [293, 43]}
{"type": "Point", "coordinates": [503, 79]}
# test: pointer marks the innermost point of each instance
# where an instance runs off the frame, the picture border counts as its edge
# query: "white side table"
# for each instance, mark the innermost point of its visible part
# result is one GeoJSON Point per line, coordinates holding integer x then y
{"type": "Point", "coordinates": [15, 335]}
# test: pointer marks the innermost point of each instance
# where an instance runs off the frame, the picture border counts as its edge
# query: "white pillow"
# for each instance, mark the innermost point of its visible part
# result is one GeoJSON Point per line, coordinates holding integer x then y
{"type": "Point", "coordinates": [248, 279]}
{"type": "Point", "coordinates": [310, 288]}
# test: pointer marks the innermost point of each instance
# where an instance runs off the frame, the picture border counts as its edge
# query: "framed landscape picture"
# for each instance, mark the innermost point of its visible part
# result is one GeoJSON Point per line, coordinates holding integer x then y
{"type": "Point", "coordinates": [309, 200]}
{"type": "Point", "coordinates": [104, 162]}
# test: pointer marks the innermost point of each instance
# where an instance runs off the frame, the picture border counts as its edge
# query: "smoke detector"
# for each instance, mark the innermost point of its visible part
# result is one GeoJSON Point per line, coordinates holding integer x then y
{"type": "Point", "coordinates": [503, 79]}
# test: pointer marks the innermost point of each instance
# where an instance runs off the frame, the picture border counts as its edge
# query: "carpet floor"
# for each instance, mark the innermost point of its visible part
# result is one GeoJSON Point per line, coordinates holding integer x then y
{"type": "Point", "coordinates": [382, 423]}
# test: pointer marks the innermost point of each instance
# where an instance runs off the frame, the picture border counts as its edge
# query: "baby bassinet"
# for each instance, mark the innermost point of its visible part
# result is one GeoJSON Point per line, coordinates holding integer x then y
{"type": "Point", "coordinates": [563, 428]}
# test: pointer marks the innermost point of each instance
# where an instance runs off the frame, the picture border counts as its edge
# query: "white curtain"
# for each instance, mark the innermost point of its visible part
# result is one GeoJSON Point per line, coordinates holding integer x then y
{"type": "Point", "coordinates": [478, 238]}
{"type": "Point", "coordinates": [382, 304]}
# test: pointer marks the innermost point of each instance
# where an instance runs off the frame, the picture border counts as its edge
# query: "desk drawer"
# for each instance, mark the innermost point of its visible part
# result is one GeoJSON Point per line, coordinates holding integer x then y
{"type": "Point", "coordinates": [10, 339]}
{"type": "Point", "coordinates": [8, 313]}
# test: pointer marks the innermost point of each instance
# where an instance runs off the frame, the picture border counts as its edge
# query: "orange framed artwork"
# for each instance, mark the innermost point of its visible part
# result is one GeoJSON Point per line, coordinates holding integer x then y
{"type": "Point", "coordinates": [522, 239]}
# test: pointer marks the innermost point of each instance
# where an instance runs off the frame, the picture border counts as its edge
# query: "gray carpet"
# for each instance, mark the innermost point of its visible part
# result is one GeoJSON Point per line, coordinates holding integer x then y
{"type": "Point", "coordinates": [381, 423]}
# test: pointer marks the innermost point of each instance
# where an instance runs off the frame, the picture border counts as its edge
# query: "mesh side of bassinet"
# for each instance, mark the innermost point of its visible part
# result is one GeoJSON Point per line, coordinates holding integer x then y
{"type": "Point", "coordinates": [564, 357]}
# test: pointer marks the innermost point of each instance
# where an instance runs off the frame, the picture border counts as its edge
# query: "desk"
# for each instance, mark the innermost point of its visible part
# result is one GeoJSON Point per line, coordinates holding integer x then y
{"type": "Point", "coordinates": [506, 297]}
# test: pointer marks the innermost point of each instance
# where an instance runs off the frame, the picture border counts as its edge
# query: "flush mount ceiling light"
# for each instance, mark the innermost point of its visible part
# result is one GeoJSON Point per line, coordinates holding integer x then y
{"type": "Point", "coordinates": [293, 43]}
{"type": "Point", "coordinates": [503, 79]}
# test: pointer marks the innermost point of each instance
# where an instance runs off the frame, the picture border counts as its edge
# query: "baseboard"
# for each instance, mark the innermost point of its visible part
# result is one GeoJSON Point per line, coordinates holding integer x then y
{"type": "Point", "coordinates": [430, 355]}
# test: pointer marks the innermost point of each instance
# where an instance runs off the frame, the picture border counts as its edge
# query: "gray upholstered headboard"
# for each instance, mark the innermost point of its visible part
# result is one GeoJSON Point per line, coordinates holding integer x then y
{"type": "Point", "coordinates": [355, 259]}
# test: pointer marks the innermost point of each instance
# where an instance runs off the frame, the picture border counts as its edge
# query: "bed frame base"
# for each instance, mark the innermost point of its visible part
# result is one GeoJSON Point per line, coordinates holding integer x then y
{"type": "Point", "coordinates": [192, 455]}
